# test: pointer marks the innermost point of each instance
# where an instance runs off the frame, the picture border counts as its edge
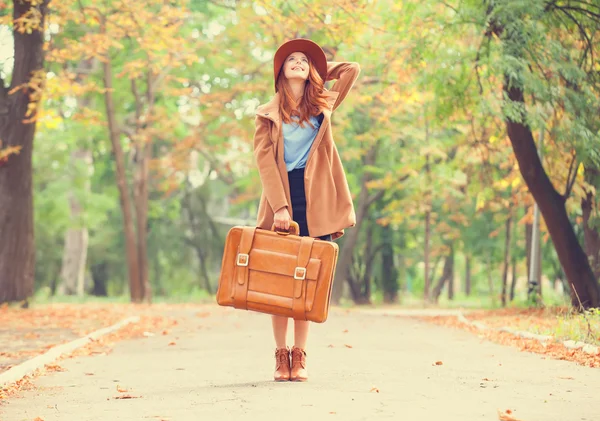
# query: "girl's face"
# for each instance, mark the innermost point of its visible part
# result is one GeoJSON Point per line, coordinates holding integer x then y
{"type": "Point", "coordinates": [296, 66]}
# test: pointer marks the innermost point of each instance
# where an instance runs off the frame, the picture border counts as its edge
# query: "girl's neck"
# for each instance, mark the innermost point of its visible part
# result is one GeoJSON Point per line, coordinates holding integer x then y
{"type": "Point", "coordinates": [297, 87]}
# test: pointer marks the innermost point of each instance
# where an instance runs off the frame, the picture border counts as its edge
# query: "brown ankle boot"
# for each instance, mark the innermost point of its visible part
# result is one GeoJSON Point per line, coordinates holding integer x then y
{"type": "Point", "coordinates": [282, 365]}
{"type": "Point", "coordinates": [298, 373]}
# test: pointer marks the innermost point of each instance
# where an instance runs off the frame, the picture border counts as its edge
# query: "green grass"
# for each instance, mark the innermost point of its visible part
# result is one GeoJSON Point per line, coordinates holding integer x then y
{"type": "Point", "coordinates": [584, 327]}
{"type": "Point", "coordinates": [196, 295]}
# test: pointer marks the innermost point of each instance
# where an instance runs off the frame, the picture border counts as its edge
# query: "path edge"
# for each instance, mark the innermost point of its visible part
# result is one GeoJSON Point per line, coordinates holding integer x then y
{"type": "Point", "coordinates": [570, 344]}
{"type": "Point", "coordinates": [16, 373]}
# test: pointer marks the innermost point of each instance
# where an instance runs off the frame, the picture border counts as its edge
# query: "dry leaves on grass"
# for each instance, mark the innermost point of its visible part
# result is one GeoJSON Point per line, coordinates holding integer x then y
{"type": "Point", "coordinates": [553, 350]}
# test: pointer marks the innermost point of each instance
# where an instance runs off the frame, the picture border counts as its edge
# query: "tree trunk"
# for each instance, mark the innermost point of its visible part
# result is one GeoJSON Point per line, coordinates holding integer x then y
{"type": "Point", "coordinates": [506, 261]}
{"type": "Point", "coordinates": [552, 207]}
{"type": "Point", "coordinates": [447, 274]}
{"type": "Point", "coordinates": [354, 282]}
{"type": "Point", "coordinates": [427, 256]}
{"type": "Point", "coordinates": [135, 286]}
{"type": "Point", "coordinates": [141, 217]}
{"type": "Point", "coordinates": [369, 254]}
{"type": "Point", "coordinates": [143, 155]}
{"type": "Point", "coordinates": [196, 240]}
{"type": "Point", "coordinates": [591, 235]}
{"type": "Point", "coordinates": [451, 281]}
{"type": "Point", "coordinates": [17, 130]}
{"type": "Point", "coordinates": [389, 272]}
{"type": "Point", "coordinates": [467, 276]}
{"type": "Point", "coordinates": [513, 281]}
{"type": "Point", "coordinates": [72, 272]}
{"type": "Point", "coordinates": [99, 278]}
{"type": "Point", "coordinates": [528, 237]}
{"type": "Point", "coordinates": [351, 237]}
{"type": "Point", "coordinates": [490, 280]}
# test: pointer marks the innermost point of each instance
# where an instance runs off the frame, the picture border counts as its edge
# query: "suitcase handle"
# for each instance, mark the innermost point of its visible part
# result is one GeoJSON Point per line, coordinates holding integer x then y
{"type": "Point", "coordinates": [294, 229]}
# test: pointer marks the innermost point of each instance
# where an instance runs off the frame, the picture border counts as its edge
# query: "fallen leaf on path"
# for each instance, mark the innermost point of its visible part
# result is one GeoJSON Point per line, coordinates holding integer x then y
{"type": "Point", "coordinates": [438, 363]}
{"type": "Point", "coordinates": [89, 374]}
{"type": "Point", "coordinates": [38, 419]}
{"type": "Point", "coordinates": [485, 379]}
{"type": "Point", "coordinates": [53, 367]}
{"type": "Point", "coordinates": [345, 331]}
{"type": "Point", "coordinates": [172, 343]}
{"type": "Point", "coordinates": [374, 389]}
{"type": "Point", "coordinates": [126, 397]}
{"type": "Point", "coordinates": [507, 416]}
{"type": "Point", "coordinates": [165, 332]}
{"type": "Point", "coordinates": [121, 389]}
{"type": "Point", "coordinates": [348, 346]}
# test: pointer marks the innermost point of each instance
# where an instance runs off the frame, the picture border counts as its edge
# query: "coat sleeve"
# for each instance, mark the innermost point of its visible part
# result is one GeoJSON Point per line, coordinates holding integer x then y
{"type": "Point", "coordinates": [345, 75]}
{"type": "Point", "coordinates": [267, 166]}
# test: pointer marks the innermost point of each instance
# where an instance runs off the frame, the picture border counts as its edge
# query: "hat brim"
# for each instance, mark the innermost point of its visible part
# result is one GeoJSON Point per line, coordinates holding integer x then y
{"type": "Point", "coordinates": [306, 46]}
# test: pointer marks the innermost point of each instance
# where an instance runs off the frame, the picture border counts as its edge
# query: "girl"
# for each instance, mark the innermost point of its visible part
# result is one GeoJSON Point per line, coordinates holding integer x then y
{"type": "Point", "coordinates": [300, 169]}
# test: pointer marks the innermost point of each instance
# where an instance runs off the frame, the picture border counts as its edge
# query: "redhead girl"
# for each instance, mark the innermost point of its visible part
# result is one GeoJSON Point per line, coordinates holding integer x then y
{"type": "Point", "coordinates": [300, 169]}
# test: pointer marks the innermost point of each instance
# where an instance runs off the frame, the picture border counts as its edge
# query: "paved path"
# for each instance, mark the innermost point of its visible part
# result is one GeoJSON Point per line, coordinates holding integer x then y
{"type": "Point", "coordinates": [221, 368]}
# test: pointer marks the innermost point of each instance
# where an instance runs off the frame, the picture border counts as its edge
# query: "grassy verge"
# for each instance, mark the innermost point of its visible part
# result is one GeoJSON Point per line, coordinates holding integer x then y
{"type": "Point", "coordinates": [560, 322]}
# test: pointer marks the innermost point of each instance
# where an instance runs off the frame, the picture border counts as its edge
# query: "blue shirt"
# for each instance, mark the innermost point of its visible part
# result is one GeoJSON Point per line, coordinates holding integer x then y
{"type": "Point", "coordinates": [297, 142]}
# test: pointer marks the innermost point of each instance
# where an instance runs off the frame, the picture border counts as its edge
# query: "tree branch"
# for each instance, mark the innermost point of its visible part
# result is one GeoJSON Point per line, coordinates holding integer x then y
{"type": "Point", "coordinates": [582, 10]}
{"type": "Point", "coordinates": [375, 197]}
{"type": "Point", "coordinates": [582, 30]}
{"type": "Point", "coordinates": [571, 176]}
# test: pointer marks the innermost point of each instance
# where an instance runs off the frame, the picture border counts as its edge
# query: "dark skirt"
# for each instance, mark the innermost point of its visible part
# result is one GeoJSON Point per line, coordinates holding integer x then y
{"type": "Point", "coordinates": [298, 196]}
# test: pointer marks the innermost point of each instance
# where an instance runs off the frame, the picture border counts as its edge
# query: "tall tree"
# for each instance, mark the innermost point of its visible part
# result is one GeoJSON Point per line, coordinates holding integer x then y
{"type": "Point", "coordinates": [514, 24]}
{"type": "Point", "coordinates": [18, 109]}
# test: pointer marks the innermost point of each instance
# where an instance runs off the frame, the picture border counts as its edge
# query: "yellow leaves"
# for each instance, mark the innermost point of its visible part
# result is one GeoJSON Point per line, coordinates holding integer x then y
{"type": "Point", "coordinates": [433, 151]}
{"type": "Point", "coordinates": [6, 152]}
{"type": "Point", "coordinates": [480, 202]}
{"type": "Point", "coordinates": [35, 88]}
{"type": "Point", "coordinates": [29, 21]}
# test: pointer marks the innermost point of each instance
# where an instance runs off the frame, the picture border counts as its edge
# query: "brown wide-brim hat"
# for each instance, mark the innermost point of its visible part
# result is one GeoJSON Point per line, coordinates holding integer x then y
{"type": "Point", "coordinates": [306, 46]}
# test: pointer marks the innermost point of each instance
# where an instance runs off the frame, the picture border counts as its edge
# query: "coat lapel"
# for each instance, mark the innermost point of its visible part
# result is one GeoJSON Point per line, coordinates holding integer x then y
{"type": "Point", "coordinates": [270, 110]}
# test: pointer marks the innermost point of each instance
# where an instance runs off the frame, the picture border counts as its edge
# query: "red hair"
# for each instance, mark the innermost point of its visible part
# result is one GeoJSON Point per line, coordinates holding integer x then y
{"type": "Point", "coordinates": [312, 101]}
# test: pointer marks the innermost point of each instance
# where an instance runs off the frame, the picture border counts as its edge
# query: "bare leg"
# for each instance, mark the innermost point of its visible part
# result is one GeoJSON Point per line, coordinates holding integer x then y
{"type": "Point", "coordinates": [280, 325]}
{"type": "Point", "coordinates": [301, 333]}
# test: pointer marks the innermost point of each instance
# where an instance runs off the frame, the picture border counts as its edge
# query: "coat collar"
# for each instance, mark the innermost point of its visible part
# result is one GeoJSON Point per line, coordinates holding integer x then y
{"type": "Point", "coordinates": [270, 109]}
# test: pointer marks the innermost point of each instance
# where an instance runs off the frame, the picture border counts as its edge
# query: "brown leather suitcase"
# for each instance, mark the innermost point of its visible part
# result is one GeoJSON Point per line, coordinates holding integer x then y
{"type": "Point", "coordinates": [277, 273]}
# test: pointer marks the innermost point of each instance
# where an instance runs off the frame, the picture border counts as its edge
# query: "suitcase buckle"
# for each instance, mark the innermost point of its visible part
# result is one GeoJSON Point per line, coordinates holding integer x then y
{"type": "Point", "coordinates": [300, 273]}
{"type": "Point", "coordinates": [242, 259]}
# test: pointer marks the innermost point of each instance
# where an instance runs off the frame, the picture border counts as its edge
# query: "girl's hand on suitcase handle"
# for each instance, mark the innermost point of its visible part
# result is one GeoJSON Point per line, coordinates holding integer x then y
{"type": "Point", "coordinates": [282, 219]}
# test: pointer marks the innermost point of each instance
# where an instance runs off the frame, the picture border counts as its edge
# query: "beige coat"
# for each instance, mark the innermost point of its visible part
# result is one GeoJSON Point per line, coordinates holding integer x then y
{"type": "Point", "coordinates": [329, 207]}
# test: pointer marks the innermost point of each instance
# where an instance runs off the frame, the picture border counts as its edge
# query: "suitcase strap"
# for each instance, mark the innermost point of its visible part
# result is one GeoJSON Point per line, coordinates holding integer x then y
{"type": "Point", "coordinates": [299, 301]}
{"type": "Point", "coordinates": [242, 260]}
